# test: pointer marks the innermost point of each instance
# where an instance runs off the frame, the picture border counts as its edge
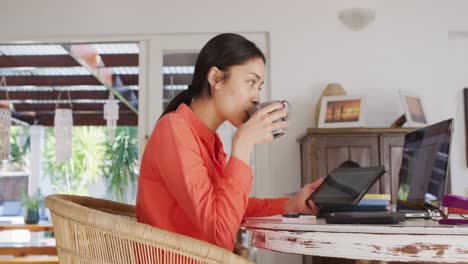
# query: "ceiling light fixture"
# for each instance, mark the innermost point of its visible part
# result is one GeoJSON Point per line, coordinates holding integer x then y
{"type": "Point", "coordinates": [356, 19]}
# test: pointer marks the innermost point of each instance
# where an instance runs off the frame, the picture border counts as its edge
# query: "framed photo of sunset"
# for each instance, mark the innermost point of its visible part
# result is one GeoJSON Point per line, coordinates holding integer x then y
{"type": "Point", "coordinates": [342, 111]}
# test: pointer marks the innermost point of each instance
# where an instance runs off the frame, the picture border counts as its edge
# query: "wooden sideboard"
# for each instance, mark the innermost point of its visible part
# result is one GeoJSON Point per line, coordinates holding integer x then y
{"type": "Point", "coordinates": [323, 150]}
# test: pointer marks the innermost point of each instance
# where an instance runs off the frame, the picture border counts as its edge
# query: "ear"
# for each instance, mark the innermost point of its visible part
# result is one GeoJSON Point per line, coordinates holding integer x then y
{"type": "Point", "coordinates": [215, 76]}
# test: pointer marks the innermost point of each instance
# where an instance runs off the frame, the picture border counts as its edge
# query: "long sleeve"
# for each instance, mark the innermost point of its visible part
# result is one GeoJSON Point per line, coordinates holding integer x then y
{"type": "Point", "coordinates": [265, 207]}
{"type": "Point", "coordinates": [215, 207]}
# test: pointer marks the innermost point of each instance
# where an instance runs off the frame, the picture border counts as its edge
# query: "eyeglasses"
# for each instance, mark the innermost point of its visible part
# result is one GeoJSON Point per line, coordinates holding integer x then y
{"type": "Point", "coordinates": [437, 214]}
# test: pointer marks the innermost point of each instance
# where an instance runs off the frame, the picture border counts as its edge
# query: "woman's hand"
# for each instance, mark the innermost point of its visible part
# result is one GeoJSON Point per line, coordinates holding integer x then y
{"type": "Point", "coordinates": [258, 129]}
{"type": "Point", "coordinates": [260, 125]}
{"type": "Point", "coordinates": [297, 204]}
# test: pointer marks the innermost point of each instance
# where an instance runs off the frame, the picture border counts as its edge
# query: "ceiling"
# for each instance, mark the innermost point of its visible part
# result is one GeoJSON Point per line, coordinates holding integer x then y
{"type": "Point", "coordinates": [40, 78]}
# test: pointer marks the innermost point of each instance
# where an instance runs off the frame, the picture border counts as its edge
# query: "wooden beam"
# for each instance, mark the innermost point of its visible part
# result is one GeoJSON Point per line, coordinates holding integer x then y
{"type": "Point", "coordinates": [28, 250]}
{"type": "Point", "coordinates": [24, 107]}
{"type": "Point", "coordinates": [32, 228]}
{"type": "Point", "coordinates": [87, 56]}
{"type": "Point", "coordinates": [37, 61]}
{"type": "Point", "coordinates": [53, 95]}
{"type": "Point", "coordinates": [52, 80]}
{"type": "Point", "coordinates": [129, 119]}
{"type": "Point", "coordinates": [80, 118]}
{"type": "Point", "coordinates": [65, 80]}
{"type": "Point", "coordinates": [129, 79]}
{"type": "Point", "coordinates": [110, 60]}
{"type": "Point", "coordinates": [118, 60]}
{"type": "Point", "coordinates": [32, 114]}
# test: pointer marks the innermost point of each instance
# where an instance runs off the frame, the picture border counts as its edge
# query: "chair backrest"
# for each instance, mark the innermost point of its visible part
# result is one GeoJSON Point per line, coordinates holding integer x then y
{"type": "Point", "coordinates": [91, 230]}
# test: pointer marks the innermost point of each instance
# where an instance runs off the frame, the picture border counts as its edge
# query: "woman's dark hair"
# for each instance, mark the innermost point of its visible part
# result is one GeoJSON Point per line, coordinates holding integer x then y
{"type": "Point", "coordinates": [223, 51]}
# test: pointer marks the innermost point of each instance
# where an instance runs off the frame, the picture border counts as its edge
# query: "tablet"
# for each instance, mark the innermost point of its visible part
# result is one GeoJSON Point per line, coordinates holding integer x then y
{"type": "Point", "coordinates": [345, 186]}
{"type": "Point", "coordinates": [386, 218]}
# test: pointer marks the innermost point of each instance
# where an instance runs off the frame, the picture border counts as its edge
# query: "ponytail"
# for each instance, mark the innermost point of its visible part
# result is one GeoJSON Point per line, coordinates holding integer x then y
{"type": "Point", "coordinates": [184, 97]}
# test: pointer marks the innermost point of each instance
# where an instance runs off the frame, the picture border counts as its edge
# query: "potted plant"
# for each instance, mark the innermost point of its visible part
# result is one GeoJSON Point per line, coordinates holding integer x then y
{"type": "Point", "coordinates": [31, 204]}
{"type": "Point", "coordinates": [120, 170]}
{"type": "Point", "coordinates": [74, 176]}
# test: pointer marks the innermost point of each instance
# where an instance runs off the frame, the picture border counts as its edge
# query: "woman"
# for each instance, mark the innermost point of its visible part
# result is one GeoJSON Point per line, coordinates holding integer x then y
{"type": "Point", "coordinates": [185, 184]}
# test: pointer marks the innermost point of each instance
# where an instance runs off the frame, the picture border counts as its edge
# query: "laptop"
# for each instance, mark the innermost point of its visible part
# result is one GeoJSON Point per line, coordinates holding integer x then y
{"type": "Point", "coordinates": [422, 176]}
{"type": "Point", "coordinates": [424, 168]}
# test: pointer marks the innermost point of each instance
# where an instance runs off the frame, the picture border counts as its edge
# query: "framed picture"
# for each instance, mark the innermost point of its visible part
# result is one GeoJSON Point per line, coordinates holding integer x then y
{"type": "Point", "coordinates": [414, 110]}
{"type": "Point", "coordinates": [342, 111]}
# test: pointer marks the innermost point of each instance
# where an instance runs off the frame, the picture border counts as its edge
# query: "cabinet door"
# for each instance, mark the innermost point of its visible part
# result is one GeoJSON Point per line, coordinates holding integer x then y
{"type": "Point", "coordinates": [391, 152]}
{"type": "Point", "coordinates": [334, 150]}
{"type": "Point", "coordinates": [306, 161]}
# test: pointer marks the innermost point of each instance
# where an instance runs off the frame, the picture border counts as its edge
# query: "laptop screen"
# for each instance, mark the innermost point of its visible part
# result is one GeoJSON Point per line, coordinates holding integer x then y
{"type": "Point", "coordinates": [424, 166]}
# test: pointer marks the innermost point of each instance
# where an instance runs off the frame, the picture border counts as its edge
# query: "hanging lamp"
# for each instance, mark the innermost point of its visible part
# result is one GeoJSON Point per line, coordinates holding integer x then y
{"type": "Point", "coordinates": [63, 130]}
{"type": "Point", "coordinates": [111, 114]}
{"type": "Point", "coordinates": [5, 124]}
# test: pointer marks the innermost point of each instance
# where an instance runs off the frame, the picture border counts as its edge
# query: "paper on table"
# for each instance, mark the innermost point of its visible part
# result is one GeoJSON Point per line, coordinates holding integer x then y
{"type": "Point", "coordinates": [302, 219]}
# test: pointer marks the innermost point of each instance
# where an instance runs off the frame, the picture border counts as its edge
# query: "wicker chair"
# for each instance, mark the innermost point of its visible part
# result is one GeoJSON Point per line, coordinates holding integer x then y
{"type": "Point", "coordinates": [90, 230]}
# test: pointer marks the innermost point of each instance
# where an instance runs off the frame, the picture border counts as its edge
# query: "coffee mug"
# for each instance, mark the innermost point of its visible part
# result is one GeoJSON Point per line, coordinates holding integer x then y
{"type": "Point", "coordinates": [287, 106]}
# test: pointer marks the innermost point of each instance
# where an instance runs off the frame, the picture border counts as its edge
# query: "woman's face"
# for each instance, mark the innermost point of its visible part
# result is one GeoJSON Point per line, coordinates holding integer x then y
{"type": "Point", "coordinates": [235, 95]}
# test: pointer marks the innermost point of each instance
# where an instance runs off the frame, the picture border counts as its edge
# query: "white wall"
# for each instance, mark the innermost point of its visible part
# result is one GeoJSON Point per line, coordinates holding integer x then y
{"type": "Point", "coordinates": [408, 47]}
{"type": "Point", "coordinates": [458, 67]}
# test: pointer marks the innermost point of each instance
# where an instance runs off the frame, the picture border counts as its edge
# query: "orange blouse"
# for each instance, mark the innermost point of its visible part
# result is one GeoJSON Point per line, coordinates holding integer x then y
{"type": "Point", "coordinates": [186, 186]}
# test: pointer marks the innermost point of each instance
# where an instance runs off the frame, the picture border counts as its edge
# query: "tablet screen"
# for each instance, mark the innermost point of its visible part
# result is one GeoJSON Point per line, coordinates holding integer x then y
{"type": "Point", "coordinates": [346, 186]}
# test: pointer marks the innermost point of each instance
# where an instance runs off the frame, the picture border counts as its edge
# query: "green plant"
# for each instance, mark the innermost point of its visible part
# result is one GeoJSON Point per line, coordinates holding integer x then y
{"type": "Point", "coordinates": [120, 169]}
{"type": "Point", "coordinates": [73, 177]}
{"type": "Point", "coordinates": [93, 155]}
{"type": "Point", "coordinates": [31, 202]}
{"type": "Point", "coordinates": [19, 149]}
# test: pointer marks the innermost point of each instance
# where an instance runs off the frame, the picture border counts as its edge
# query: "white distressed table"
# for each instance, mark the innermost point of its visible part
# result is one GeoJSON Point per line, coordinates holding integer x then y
{"type": "Point", "coordinates": [411, 241]}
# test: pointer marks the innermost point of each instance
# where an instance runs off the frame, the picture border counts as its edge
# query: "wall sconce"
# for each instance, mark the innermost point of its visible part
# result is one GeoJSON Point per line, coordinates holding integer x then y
{"type": "Point", "coordinates": [63, 130]}
{"type": "Point", "coordinates": [111, 114]}
{"type": "Point", "coordinates": [356, 19]}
